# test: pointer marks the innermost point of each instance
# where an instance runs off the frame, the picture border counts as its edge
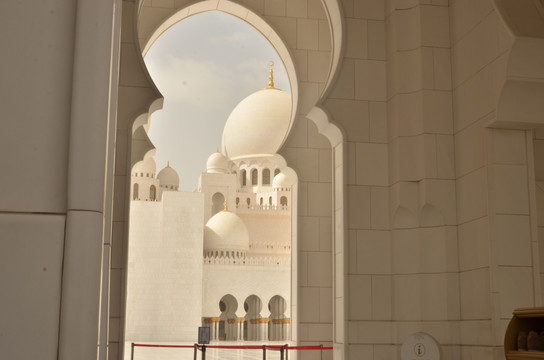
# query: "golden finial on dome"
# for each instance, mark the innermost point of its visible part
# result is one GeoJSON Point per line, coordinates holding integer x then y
{"type": "Point", "coordinates": [271, 76]}
{"type": "Point", "coordinates": [226, 206]}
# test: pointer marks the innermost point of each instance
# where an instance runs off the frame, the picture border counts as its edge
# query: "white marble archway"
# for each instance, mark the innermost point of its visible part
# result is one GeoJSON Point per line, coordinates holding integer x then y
{"type": "Point", "coordinates": [311, 110]}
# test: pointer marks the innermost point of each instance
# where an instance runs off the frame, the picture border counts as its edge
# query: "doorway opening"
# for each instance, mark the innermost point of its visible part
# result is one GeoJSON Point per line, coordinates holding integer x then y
{"type": "Point", "coordinates": [179, 237]}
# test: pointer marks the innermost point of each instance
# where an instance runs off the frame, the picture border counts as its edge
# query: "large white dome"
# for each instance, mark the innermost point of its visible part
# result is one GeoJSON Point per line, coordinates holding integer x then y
{"type": "Point", "coordinates": [226, 231]}
{"type": "Point", "coordinates": [258, 125]}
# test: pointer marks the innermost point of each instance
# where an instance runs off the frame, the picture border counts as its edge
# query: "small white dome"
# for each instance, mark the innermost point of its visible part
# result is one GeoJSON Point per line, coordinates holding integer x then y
{"type": "Point", "coordinates": [226, 231]}
{"type": "Point", "coordinates": [146, 166]}
{"type": "Point", "coordinates": [168, 177]}
{"type": "Point", "coordinates": [217, 163]}
{"type": "Point", "coordinates": [282, 181]}
{"type": "Point", "coordinates": [258, 125]}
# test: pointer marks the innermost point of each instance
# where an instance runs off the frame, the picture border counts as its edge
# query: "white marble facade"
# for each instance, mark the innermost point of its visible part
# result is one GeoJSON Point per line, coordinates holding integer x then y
{"type": "Point", "coordinates": [416, 137]}
{"type": "Point", "coordinates": [194, 260]}
{"type": "Point", "coordinates": [180, 267]}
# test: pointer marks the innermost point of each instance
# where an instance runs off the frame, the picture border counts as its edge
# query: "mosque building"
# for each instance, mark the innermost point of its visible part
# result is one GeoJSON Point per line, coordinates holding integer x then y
{"type": "Point", "coordinates": [228, 262]}
{"type": "Point", "coordinates": [414, 152]}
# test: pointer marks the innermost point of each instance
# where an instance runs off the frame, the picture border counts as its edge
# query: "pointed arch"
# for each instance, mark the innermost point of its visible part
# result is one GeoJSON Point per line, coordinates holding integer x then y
{"type": "Point", "coordinates": [333, 13]}
{"type": "Point", "coordinates": [247, 15]}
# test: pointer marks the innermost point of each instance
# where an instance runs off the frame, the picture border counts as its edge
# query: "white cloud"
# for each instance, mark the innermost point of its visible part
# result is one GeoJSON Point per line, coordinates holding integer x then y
{"type": "Point", "coordinates": [190, 81]}
{"type": "Point", "coordinates": [204, 66]}
{"type": "Point", "coordinates": [234, 38]}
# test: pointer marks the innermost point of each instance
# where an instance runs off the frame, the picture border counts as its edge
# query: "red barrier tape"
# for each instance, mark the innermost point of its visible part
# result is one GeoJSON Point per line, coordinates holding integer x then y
{"type": "Point", "coordinates": [165, 346]}
{"type": "Point", "coordinates": [240, 347]}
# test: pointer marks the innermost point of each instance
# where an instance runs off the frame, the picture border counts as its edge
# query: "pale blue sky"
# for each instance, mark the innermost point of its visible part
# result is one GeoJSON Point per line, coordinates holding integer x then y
{"type": "Point", "coordinates": [204, 66]}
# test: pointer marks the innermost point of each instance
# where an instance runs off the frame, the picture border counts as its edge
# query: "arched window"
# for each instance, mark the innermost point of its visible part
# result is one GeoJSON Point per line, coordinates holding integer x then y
{"type": "Point", "coordinates": [152, 193]}
{"type": "Point", "coordinates": [266, 177]}
{"type": "Point", "coordinates": [283, 201]}
{"type": "Point", "coordinates": [237, 201]}
{"type": "Point", "coordinates": [243, 175]}
{"type": "Point", "coordinates": [135, 192]}
{"type": "Point", "coordinates": [254, 177]}
{"type": "Point", "coordinates": [248, 201]}
{"type": "Point", "coordinates": [270, 200]}
{"type": "Point", "coordinates": [276, 172]}
{"type": "Point", "coordinates": [261, 202]}
{"type": "Point", "coordinates": [218, 203]}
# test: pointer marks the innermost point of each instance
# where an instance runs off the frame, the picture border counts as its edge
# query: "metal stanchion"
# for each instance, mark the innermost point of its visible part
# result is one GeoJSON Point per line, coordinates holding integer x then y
{"type": "Point", "coordinates": [203, 352]}
{"type": "Point", "coordinates": [321, 345]}
{"type": "Point", "coordinates": [132, 352]}
{"type": "Point", "coordinates": [196, 350]}
{"type": "Point", "coordinates": [264, 352]}
{"type": "Point", "coordinates": [281, 353]}
{"type": "Point", "coordinates": [286, 351]}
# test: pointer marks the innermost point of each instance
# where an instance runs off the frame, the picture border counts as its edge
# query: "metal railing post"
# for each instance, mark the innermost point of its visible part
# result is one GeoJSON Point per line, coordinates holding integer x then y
{"type": "Point", "coordinates": [203, 352]}
{"type": "Point", "coordinates": [264, 352]}
{"type": "Point", "coordinates": [195, 351]}
{"type": "Point", "coordinates": [321, 345]}
{"type": "Point", "coordinates": [132, 352]}
{"type": "Point", "coordinates": [281, 353]}
{"type": "Point", "coordinates": [286, 351]}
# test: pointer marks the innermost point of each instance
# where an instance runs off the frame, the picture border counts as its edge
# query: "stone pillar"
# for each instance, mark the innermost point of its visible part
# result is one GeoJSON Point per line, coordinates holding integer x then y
{"type": "Point", "coordinates": [263, 329]}
{"type": "Point", "coordinates": [241, 328]}
{"type": "Point", "coordinates": [274, 329]}
{"type": "Point", "coordinates": [211, 322]}
{"type": "Point", "coordinates": [138, 97]}
{"type": "Point", "coordinates": [215, 326]}
{"type": "Point", "coordinates": [421, 275]}
{"type": "Point", "coordinates": [90, 180]}
{"type": "Point", "coordinates": [232, 329]}
{"type": "Point", "coordinates": [279, 329]}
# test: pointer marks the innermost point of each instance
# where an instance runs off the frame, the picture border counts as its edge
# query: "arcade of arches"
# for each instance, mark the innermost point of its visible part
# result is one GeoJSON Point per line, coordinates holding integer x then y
{"type": "Point", "coordinates": [251, 327]}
